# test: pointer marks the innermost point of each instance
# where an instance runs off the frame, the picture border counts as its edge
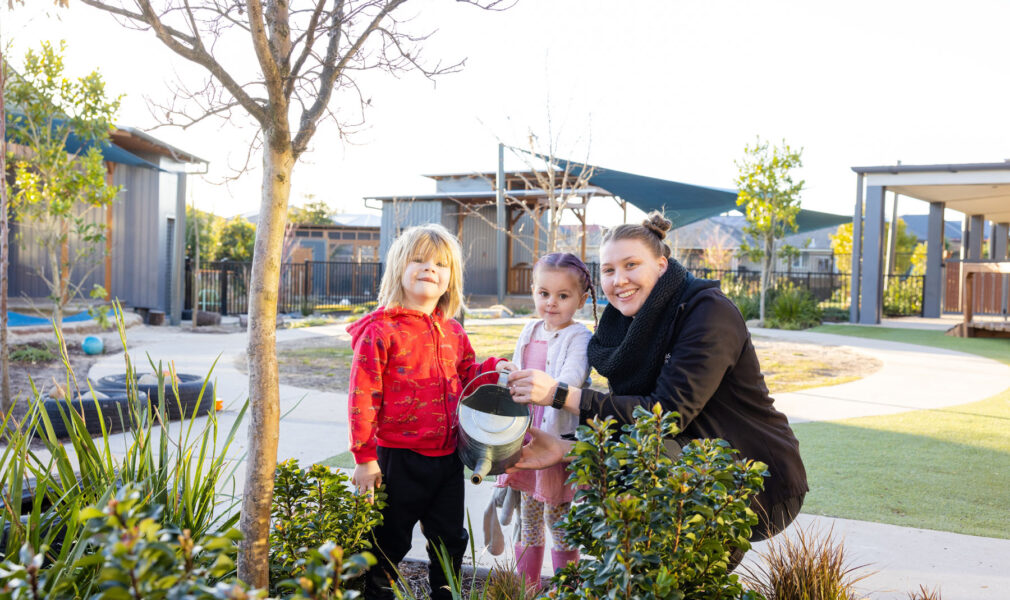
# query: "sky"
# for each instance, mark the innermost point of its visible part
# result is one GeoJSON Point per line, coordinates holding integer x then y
{"type": "Point", "coordinates": [662, 88]}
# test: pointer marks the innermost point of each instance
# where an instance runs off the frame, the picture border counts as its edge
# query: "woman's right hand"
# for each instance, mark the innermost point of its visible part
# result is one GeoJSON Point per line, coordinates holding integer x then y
{"type": "Point", "coordinates": [543, 450]}
{"type": "Point", "coordinates": [367, 476]}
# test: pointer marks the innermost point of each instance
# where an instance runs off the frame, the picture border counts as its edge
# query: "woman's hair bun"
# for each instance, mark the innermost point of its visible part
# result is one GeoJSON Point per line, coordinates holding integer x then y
{"type": "Point", "coordinates": [658, 224]}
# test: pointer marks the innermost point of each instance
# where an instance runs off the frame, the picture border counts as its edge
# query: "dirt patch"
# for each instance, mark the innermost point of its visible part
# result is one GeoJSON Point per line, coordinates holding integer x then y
{"type": "Point", "coordinates": [317, 363]}
{"type": "Point", "coordinates": [46, 374]}
{"type": "Point", "coordinates": [791, 366]}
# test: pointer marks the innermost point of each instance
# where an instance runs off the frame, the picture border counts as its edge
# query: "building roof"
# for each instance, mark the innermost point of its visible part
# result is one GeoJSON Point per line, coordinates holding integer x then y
{"type": "Point", "coordinates": [727, 231]}
{"type": "Point", "coordinates": [919, 225]}
{"type": "Point", "coordinates": [971, 188]}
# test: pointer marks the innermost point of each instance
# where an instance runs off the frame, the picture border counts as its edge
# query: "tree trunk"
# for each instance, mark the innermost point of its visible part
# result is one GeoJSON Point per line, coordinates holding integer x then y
{"type": "Point", "coordinates": [264, 397]}
{"type": "Point", "coordinates": [5, 357]}
{"type": "Point", "coordinates": [767, 261]}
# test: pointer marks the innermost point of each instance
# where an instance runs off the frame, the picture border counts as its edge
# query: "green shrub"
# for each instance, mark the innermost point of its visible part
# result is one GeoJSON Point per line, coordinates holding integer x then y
{"type": "Point", "coordinates": [177, 470]}
{"type": "Point", "coordinates": [132, 554]}
{"type": "Point", "coordinates": [793, 308]}
{"type": "Point", "coordinates": [314, 506]}
{"type": "Point", "coordinates": [661, 528]}
{"type": "Point", "coordinates": [903, 297]}
{"type": "Point", "coordinates": [833, 314]}
{"type": "Point", "coordinates": [33, 354]}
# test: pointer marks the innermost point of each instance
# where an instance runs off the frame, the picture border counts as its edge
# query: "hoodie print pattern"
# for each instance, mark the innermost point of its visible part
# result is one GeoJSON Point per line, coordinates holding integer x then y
{"type": "Point", "coordinates": [407, 375]}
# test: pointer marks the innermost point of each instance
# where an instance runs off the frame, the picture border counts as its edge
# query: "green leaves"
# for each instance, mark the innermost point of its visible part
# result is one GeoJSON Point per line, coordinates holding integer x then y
{"type": "Point", "coordinates": [312, 507]}
{"type": "Point", "coordinates": [662, 528]}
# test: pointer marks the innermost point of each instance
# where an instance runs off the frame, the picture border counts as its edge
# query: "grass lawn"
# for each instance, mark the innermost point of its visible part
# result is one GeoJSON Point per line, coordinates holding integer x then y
{"type": "Point", "coordinates": [995, 349]}
{"type": "Point", "coordinates": [938, 469]}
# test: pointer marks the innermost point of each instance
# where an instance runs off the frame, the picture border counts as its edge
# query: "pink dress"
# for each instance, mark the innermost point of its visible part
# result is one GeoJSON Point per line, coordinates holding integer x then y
{"type": "Point", "coordinates": [546, 485]}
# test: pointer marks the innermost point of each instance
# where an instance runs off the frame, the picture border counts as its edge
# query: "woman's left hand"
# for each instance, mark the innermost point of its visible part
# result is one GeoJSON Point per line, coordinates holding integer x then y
{"type": "Point", "coordinates": [531, 386]}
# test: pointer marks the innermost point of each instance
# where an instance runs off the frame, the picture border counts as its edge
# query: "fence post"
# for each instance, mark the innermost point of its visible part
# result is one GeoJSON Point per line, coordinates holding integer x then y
{"type": "Point", "coordinates": [223, 278]}
{"type": "Point", "coordinates": [306, 285]}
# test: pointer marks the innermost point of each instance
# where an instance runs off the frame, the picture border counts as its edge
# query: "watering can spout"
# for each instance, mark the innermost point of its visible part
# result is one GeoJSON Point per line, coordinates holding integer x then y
{"type": "Point", "coordinates": [480, 470]}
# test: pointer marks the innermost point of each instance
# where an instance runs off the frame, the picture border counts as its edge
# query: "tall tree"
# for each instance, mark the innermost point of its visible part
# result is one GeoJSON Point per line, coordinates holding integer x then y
{"type": "Point", "coordinates": [770, 199]}
{"type": "Point", "coordinates": [238, 240]}
{"type": "Point", "coordinates": [208, 227]}
{"type": "Point", "coordinates": [58, 125]}
{"type": "Point", "coordinates": [311, 213]}
{"type": "Point", "coordinates": [305, 52]}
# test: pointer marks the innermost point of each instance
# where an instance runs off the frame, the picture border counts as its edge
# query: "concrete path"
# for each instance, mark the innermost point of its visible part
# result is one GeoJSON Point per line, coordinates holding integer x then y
{"type": "Point", "coordinates": [912, 378]}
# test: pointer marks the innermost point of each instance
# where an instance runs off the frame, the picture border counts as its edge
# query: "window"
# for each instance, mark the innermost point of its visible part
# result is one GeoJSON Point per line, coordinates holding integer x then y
{"type": "Point", "coordinates": [367, 253]}
{"type": "Point", "coordinates": [342, 252]}
{"type": "Point", "coordinates": [800, 261]}
{"type": "Point", "coordinates": [347, 235]}
{"type": "Point", "coordinates": [317, 234]}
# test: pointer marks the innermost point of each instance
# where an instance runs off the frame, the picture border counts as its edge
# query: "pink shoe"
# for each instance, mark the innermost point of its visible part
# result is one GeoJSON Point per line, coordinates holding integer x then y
{"type": "Point", "coordinates": [529, 561]}
{"type": "Point", "coordinates": [560, 558]}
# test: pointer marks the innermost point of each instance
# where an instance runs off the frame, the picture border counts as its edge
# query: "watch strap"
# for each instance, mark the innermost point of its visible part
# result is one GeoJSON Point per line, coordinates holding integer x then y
{"type": "Point", "coordinates": [560, 395]}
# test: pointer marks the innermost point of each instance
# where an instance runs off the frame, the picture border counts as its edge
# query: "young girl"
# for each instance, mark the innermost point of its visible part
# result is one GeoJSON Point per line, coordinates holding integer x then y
{"type": "Point", "coordinates": [411, 361]}
{"type": "Point", "coordinates": [556, 344]}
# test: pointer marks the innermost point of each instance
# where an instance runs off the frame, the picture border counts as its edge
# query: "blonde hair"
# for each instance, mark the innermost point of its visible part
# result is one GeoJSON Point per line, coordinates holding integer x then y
{"type": "Point", "coordinates": [425, 241]}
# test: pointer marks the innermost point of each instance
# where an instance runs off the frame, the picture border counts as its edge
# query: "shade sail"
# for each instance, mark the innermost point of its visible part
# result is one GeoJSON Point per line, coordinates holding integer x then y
{"type": "Point", "coordinates": [682, 203]}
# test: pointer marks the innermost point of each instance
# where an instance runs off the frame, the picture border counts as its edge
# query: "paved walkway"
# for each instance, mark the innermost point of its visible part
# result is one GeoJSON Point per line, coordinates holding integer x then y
{"type": "Point", "coordinates": [912, 378]}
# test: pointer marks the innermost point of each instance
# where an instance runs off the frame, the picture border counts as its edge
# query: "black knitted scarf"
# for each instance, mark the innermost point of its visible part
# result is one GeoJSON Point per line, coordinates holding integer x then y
{"type": "Point", "coordinates": [630, 352]}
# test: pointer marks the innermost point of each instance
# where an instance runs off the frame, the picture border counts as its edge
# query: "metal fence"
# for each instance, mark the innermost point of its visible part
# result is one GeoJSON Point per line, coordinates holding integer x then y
{"type": "Point", "coordinates": [309, 286]}
{"type": "Point", "coordinates": [903, 294]}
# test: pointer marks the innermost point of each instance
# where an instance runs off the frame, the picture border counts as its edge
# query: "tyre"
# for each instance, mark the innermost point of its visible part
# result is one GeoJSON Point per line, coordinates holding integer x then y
{"type": "Point", "coordinates": [188, 401]}
{"type": "Point", "coordinates": [114, 411]}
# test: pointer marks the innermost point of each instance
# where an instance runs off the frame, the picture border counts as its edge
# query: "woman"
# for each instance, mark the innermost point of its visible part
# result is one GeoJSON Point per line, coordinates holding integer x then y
{"type": "Point", "coordinates": [670, 338]}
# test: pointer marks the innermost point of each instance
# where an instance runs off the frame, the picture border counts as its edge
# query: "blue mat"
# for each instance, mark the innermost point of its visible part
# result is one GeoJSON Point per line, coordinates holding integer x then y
{"type": "Point", "coordinates": [19, 320]}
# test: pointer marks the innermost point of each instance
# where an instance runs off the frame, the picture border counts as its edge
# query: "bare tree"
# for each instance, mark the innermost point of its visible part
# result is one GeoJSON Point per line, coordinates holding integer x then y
{"type": "Point", "coordinates": [305, 53]}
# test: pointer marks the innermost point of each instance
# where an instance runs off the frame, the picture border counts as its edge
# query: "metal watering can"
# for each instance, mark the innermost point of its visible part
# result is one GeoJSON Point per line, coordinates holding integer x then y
{"type": "Point", "coordinates": [491, 429]}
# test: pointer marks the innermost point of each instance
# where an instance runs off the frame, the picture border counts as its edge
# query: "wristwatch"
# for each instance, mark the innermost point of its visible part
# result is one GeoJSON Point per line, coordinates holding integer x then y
{"type": "Point", "coordinates": [560, 395]}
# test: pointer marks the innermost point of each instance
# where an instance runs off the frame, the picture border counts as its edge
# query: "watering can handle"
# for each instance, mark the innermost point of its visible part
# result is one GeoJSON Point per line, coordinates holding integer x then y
{"type": "Point", "coordinates": [503, 380]}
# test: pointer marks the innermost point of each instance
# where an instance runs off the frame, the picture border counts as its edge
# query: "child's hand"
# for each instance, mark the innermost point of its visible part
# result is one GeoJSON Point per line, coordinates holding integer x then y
{"type": "Point", "coordinates": [367, 476]}
{"type": "Point", "coordinates": [506, 366]}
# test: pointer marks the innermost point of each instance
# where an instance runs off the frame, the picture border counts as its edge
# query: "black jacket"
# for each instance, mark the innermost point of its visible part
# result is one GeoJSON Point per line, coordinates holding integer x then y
{"type": "Point", "coordinates": [712, 378]}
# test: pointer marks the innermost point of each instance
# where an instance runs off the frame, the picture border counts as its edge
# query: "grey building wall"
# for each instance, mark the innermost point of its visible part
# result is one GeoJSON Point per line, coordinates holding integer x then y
{"type": "Point", "coordinates": [28, 259]}
{"type": "Point", "coordinates": [397, 216]}
{"type": "Point", "coordinates": [138, 246]}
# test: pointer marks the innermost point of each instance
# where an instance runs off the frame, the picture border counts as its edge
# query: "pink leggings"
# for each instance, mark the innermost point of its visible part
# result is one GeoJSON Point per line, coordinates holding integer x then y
{"type": "Point", "coordinates": [534, 514]}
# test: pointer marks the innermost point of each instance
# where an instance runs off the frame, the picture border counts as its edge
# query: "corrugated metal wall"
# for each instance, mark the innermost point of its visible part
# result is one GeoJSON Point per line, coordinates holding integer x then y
{"type": "Point", "coordinates": [397, 216]}
{"type": "Point", "coordinates": [137, 248]}
{"type": "Point", "coordinates": [28, 258]}
{"type": "Point", "coordinates": [477, 239]}
{"type": "Point", "coordinates": [480, 251]}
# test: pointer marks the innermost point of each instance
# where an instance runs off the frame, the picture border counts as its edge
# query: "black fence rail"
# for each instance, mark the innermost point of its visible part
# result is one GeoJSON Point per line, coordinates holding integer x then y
{"type": "Point", "coordinates": [307, 287]}
{"type": "Point", "coordinates": [902, 293]}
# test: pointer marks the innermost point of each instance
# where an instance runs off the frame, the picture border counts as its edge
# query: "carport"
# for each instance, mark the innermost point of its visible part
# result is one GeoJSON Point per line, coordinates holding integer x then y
{"type": "Point", "coordinates": [979, 190]}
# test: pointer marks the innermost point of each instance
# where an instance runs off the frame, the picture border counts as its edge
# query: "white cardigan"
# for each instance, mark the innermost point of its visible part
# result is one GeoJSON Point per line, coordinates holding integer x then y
{"type": "Point", "coordinates": [566, 361]}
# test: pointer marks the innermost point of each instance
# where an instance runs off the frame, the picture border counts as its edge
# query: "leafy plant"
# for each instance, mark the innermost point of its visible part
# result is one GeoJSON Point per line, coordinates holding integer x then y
{"type": "Point", "coordinates": [132, 554]}
{"type": "Point", "coordinates": [178, 470]}
{"type": "Point", "coordinates": [794, 308]}
{"type": "Point", "coordinates": [804, 565]}
{"type": "Point", "coordinates": [903, 296]}
{"type": "Point", "coordinates": [313, 506]}
{"type": "Point", "coordinates": [33, 354]}
{"type": "Point", "coordinates": [661, 528]}
{"type": "Point", "coordinates": [99, 313]}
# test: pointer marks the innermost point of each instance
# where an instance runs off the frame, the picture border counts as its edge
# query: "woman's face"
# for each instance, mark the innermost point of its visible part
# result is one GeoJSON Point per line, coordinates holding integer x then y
{"type": "Point", "coordinates": [628, 271]}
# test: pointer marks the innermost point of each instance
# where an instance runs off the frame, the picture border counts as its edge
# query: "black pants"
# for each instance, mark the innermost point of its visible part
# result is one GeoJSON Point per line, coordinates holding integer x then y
{"type": "Point", "coordinates": [419, 488]}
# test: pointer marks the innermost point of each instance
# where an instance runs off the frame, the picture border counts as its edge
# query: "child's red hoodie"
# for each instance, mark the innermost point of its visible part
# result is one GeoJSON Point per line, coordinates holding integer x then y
{"type": "Point", "coordinates": [408, 371]}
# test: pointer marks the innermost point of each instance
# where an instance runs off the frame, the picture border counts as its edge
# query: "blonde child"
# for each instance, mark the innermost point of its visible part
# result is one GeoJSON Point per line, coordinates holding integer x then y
{"type": "Point", "coordinates": [556, 344]}
{"type": "Point", "coordinates": [411, 361]}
